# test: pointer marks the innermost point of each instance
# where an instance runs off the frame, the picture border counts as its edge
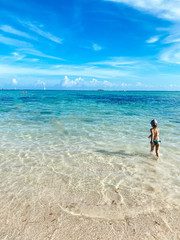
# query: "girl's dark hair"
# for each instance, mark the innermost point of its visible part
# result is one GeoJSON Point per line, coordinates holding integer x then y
{"type": "Point", "coordinates": [154, 123]}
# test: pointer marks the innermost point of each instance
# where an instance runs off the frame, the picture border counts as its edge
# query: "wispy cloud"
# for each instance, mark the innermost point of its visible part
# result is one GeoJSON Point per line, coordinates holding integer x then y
{"type": "Point", "coordinates": [115, 62]}
{"type": "Point", "coordinates": [42, 33]}
{"type": "Point", "coordinates": [18, 56]}
{"type": "Point", "coordinates": [9, 29]}
{"type": "Point", "coordinates": [25, 56]}
{"type": "Point", "coordinates": [171, 54]}
{"type": "Point", "coordinates": [14, 42]}
{"type": "Point", "coordinates": [34, 52]}
{"type": "Point", "coordinates": [173, 38]}
{"type": "Point", "coordinates": [73, 70]}
{"type": "Point", "coordinates": [171, 49]}
{"type": "Point", "coordinates": [153, 39]}
{"type": "Point", "coordinates": [173, 34]}
{"type": "Point", "coordinates": [96, 47]}
{"type": "Point", "coordinates": [169, 10]}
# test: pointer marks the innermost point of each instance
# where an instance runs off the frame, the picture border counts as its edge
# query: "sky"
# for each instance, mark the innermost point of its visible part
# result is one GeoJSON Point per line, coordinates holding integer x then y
{"type": "Point", "coordinates": [90, 44]}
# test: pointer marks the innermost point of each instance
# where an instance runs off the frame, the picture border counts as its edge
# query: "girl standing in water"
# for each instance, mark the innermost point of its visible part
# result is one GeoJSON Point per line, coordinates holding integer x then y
{"type": "Point", "coordinates": [154, 137]}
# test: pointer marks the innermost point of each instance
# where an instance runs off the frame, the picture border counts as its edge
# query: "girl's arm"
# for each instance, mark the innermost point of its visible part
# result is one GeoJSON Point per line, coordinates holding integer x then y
{"type": "Point", "coordinates": [152, 136]}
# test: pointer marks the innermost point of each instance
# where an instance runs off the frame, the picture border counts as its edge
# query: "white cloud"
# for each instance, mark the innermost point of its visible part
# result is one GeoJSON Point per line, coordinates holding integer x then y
{"type": "Point", "coordinates": [18, 56]}
{"type": "Point", "coordinates": [171, 54]}
{"type": "Point", "coordinates": [15, 54]}
{"type": "Point", "coordinates": [172, 39]}
{"type": "Point", "coordinates": [86, 70]}
{"type": "Point", "coordinates": [14, 42]}
{"type": "Point", "coordinates": [39, 31]}
{"type": "Point", "coordinates": [107, 83]}
{"type": "Point", "coordinates": [80, 82]}
{"type": "Point", "coordinates": [15, 57]}
{"type": "Point", "coordinates": [77, 80]}
{"type": "Point", "coordinates": [96, 47]}
{"type": "Point", "coordinates": [165, 9]}
{"type": "Point", "coordinates": [34, 52]}
{"type": "Point", "coordinates": [66, 82]}
{"type": "Point", "coordinates": [14, 81]}
{"type": "Point", "coordinates": [23, 54]}
{"type": "Point", "coordinates": [115, 62]}
{"type": "Point", "coordinates": [173, 35]}
{"type": "Point", "coordinates": [71, 83]}
{"type": "Point", "coordinates": [9, 29]}
{"type": "Point", "coordinates": [94, 81]}
{"type": "Point", "coordinates": [153, 39]}
{"type": "Point", "coordinates": [46, 69]}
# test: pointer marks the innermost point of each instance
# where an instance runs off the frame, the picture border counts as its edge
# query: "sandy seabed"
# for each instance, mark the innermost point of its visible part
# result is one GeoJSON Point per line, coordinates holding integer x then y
{"type": "Point", "coordinates": [44, 216]}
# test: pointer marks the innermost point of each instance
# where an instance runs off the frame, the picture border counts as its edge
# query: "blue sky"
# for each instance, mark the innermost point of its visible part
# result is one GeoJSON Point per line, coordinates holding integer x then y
{"type": "Point", "coordinates": [83, 44]}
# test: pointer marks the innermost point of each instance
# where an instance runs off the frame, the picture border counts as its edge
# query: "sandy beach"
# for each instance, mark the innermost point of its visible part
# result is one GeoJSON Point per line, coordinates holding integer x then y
{"type": "Point", "coordinates": [45, 218]}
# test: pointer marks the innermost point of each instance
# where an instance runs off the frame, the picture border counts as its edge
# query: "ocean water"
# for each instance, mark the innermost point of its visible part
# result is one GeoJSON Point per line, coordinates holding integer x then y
{"type": "Point", "coordinates": [90, 150]}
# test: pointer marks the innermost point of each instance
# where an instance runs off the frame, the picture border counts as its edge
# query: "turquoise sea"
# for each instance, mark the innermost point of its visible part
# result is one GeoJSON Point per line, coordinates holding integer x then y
{"type": "Point", "coordinates": [90, 150]}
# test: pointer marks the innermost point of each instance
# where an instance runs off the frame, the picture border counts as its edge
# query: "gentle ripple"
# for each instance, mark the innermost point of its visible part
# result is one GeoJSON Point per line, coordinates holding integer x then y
{"type": "Point", "coordinates": [91, 149]}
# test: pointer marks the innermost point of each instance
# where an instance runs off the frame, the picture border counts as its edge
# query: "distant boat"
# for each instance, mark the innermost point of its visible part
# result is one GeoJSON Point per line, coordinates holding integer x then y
{"type": "Point", "coordinates": [44, 88]}
{"type": "Point", "coordinates": [100, 90]}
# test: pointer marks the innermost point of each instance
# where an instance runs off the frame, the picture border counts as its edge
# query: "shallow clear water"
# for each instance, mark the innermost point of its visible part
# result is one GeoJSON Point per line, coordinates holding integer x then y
{"type": "Point", "coordinates": [92, 149]}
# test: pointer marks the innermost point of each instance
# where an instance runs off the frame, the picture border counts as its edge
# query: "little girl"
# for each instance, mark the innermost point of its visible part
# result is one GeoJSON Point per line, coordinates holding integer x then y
{"type": "Point", "coordinates": [154, 137]}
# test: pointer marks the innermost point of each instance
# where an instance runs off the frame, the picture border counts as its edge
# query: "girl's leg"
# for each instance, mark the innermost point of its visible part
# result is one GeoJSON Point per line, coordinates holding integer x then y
{"type": "Point", "coordinates": [152, 147]}
{"type": "Point", "coordinates": [157, 149]}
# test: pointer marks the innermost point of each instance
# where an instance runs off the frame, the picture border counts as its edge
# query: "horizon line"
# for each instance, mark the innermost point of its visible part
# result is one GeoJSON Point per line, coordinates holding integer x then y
{"type": "Point", "coordinates": [94, 90]}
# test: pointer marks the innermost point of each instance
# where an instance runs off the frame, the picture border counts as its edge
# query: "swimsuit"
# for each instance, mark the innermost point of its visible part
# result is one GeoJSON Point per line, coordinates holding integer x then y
{"type": "Point", "coordinates": [156, 142]}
